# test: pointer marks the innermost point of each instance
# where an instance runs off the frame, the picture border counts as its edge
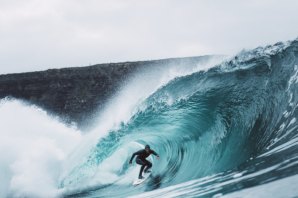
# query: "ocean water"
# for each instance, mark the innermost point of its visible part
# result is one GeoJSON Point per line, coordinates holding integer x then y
{"type": "Point", "coordinates": [223, 128]}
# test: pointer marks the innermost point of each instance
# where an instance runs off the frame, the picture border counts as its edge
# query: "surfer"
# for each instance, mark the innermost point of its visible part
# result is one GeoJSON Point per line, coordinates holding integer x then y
{"type": "Point", "coordinates": [141, 159]}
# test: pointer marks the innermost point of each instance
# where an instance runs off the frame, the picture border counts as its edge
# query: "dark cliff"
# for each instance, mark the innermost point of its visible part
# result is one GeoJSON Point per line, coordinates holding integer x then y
{"type": "Point", "coordinates": [76, 94]}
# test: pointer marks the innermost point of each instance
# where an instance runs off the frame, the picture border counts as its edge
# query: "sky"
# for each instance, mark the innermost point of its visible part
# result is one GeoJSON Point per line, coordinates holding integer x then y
{"type": "Point", "coordinates": [41, 34]}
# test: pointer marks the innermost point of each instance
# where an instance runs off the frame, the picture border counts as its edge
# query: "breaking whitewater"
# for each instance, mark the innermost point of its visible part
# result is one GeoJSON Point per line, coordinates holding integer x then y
{"type": "Point", "coordinates": [226, 128]}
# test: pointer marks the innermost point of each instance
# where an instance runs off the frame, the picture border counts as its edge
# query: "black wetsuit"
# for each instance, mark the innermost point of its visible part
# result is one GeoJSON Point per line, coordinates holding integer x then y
{"type": "Point", "coordinates": [141, 159]}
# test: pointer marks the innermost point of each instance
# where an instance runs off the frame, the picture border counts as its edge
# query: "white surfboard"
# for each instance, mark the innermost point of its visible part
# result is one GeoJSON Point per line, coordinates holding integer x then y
{"type": "Point", "coordinates": [140, 181]}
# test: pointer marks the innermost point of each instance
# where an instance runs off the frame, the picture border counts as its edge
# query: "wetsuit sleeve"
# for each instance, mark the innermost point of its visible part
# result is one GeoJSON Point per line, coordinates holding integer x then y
{"type": "Point", "coordinates": [133, 155]}
{"type": "Point", "coordinates": [154, 153]}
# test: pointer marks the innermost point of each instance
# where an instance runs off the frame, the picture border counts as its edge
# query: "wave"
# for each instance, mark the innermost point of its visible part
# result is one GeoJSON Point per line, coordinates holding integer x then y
{"type": "Point", "coordinates": [224, 128]}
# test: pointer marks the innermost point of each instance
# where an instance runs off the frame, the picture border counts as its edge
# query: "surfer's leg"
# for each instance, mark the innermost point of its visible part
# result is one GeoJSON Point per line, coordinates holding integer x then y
{"type": "Point", "coordinates": [141, 171]}
{"type": "Point", "coordinates": [148, 166]}
{"type": "Point", "coordinates": [143, 164]}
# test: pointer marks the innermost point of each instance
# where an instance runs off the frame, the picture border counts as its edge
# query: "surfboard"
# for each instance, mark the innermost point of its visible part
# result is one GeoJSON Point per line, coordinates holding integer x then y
{"type": "Point", "coordinates": [140, 181]}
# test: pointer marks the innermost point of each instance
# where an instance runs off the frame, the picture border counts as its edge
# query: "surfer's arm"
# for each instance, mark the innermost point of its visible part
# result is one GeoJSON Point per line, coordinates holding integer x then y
{"type": "Point", "coordinates": [154, 153]}
{"type": "Point", "coordinates": [133, 155]}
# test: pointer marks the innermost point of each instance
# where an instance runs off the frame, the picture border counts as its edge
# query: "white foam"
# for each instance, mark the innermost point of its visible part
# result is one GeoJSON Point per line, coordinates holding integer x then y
{"type": "Point", "coordinates": [32, 149]}
{"type": "Point", "coordinates": [124, 104]}
{"type": "Point", "coordinates": [286, 187]}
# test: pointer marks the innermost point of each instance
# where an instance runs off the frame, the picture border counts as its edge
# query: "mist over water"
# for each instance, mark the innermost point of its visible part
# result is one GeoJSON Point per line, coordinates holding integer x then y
{"type": "Point", "coordinates": [33, 147]}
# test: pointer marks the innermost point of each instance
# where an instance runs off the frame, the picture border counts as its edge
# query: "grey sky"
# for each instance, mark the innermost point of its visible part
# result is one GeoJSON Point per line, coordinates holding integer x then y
{"type": "Point", "coordinates": [42, 34]}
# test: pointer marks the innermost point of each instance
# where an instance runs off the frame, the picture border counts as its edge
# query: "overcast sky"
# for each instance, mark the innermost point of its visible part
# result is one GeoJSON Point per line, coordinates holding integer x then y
{"type": "Point", "coordinates": [42, 34]}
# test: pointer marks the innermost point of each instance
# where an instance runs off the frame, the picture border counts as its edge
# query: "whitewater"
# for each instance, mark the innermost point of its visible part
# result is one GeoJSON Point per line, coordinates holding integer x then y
{"type": "Point", "coordinates": [226, 127]}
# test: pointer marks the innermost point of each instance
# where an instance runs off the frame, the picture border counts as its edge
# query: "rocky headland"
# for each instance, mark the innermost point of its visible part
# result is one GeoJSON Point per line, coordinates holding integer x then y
{"type": "Point", "coordinates": [77, 94]}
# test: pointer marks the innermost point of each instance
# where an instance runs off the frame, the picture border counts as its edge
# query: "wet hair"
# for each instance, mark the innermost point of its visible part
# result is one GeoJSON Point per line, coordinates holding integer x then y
{"type": "Point", "coordinates": [147, 146]}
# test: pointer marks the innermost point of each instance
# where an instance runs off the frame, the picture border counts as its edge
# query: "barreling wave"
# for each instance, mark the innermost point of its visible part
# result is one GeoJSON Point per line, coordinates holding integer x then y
{"type": "Point", "coordinates": [236, 122]}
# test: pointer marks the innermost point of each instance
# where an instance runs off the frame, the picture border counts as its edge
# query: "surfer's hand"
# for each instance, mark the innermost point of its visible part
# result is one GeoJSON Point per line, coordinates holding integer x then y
{"type": "Point", "coordinates": [130, 163]}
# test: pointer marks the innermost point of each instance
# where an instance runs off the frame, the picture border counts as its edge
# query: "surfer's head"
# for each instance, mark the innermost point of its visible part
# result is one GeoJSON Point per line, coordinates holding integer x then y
{"type": "Point", "coordinates": [147, 148]}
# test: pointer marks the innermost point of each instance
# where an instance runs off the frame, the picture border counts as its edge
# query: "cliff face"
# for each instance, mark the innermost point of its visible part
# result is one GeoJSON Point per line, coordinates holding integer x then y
{"type": "Point", "coordinates": [76, 94]}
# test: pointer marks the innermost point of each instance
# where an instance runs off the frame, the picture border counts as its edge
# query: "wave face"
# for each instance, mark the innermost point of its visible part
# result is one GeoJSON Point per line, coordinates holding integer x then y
{"type": "Point", "coordinates": [217, 131]}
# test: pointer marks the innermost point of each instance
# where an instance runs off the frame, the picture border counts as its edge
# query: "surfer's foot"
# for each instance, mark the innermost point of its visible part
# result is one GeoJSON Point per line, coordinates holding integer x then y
{"type": "Point", "coordinates": [141, 177]}
{"type": "Point", "coordinates": [148, 171]}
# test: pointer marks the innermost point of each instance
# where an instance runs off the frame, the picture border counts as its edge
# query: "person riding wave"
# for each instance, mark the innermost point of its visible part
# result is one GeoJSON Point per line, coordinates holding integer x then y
{"type": "Point", "coordinates": [141, 159]}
